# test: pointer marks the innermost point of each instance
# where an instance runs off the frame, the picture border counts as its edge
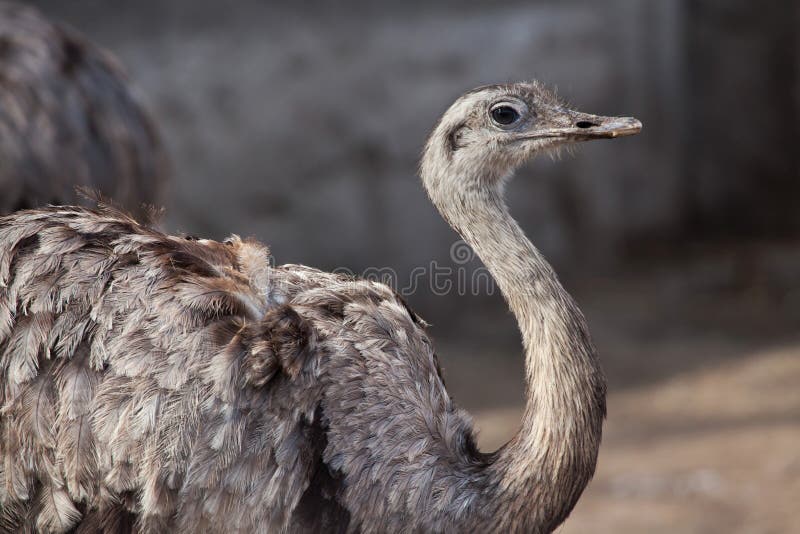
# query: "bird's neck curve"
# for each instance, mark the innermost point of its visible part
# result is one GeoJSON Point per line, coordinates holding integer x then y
{"type": "Point", "coordinates": [535, 480]}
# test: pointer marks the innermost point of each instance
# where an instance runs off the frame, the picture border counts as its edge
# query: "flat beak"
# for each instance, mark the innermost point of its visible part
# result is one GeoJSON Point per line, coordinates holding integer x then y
{"type": "Point", "coordinates": [584, 127]}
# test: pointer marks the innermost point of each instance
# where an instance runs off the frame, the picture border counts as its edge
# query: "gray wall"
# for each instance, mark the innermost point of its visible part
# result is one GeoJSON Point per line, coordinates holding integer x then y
{"type": "Point", "coordinates": [744, 81]}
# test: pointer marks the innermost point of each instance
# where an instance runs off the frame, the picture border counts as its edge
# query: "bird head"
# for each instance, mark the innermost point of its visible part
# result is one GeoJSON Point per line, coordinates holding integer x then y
{"type": "Point", "coordinates": [490, 131]}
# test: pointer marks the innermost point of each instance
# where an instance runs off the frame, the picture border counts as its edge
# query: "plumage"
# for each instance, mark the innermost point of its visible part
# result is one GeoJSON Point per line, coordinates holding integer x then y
{"type": "Point", "coordinates": [155, 383]}
{"type": "Point", "coordinates": [69, 118]}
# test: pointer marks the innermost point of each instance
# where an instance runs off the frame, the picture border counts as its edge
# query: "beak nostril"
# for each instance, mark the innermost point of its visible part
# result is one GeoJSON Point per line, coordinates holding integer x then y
{"type": "Point", "coordinates": [585, 124]}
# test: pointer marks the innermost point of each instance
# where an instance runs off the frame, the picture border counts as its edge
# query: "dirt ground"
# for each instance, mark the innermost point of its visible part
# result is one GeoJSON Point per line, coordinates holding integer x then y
{"type": "Point", "coordinates": [713, 451]}
{"type": "Point", "coordinates": [703, 428]}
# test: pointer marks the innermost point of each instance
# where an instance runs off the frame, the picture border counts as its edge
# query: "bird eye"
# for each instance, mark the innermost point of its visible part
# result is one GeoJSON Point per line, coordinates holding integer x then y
{"type": "Point", "coordinates": [504, 115]}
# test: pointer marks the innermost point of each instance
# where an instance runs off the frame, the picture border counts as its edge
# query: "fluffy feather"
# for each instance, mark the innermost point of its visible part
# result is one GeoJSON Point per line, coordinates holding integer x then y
{"type": "Point", "coordinates": [181, 385]}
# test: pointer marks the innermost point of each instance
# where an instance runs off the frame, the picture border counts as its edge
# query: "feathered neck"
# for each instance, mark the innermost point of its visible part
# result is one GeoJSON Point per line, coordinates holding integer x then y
{"type": "Point", "coordinates": [533, 482]}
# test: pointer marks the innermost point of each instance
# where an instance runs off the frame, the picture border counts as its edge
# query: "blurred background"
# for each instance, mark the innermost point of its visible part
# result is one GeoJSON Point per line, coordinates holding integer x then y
{"type": "Point", "coordinates": [301, 124]}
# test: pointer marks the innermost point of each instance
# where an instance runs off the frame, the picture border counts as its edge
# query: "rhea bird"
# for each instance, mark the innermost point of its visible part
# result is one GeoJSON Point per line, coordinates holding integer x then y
{"type": "Point", "coordinates": [69, 118]}
{"type": "Point", "coordinates": [154, 383]}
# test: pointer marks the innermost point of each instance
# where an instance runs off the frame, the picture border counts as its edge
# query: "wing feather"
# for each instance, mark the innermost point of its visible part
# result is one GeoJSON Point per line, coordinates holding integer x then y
{"type": "Point", "coordinates": [185, 385]}
{"type": "Point", "coordinates": [147, 374]}
{"type": "Point", "coordinates": [57, 513]}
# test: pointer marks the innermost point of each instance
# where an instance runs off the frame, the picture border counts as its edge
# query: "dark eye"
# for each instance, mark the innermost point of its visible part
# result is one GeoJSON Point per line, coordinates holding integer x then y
{"type": "Point", "coordinates": [504, 115]}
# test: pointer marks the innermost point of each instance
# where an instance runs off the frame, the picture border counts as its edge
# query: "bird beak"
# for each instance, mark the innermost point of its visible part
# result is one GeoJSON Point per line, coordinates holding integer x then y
{"type": "Point", "coordinates": [584, 127]}
{"type": "Point", "coordinates": [595, 127]}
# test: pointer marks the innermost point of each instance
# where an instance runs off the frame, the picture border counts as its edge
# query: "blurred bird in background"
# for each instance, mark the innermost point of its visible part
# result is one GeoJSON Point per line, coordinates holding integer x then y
{"type": "Point", "coordinates": [68, 118]}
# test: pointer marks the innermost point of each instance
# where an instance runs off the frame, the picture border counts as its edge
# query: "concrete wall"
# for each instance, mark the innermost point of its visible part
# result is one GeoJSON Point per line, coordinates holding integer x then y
{"type": "Point", "coordinates": [744, 78]}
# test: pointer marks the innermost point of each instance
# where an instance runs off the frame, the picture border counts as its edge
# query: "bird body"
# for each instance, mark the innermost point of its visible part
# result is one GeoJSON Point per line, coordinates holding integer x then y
{"type": "Point", "coordinates": [154, 383]}
{"type": "Point", "coordinates": [188, 383]}
{"type": "Point", "coordinates": [69, 118]}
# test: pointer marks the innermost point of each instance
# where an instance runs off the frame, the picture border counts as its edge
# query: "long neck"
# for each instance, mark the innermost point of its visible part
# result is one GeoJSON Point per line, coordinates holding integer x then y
{"type": "Point", "coordinates": [534, 481]}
